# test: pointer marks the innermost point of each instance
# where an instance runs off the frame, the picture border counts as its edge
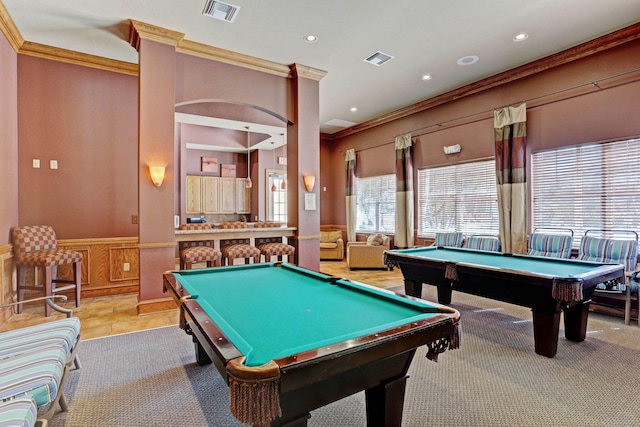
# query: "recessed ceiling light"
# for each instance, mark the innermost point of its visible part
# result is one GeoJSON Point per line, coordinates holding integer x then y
{"type": "Point", "coordinates": [427, 77]}
{"type": "Point", "coordinates": [310, 38]}
{"type": "Point", "coordinates": [353, 109]}
{"type": "Point", "coordinates": [520, 37]}
{"type": "Point", "coordinates": [468, 60]}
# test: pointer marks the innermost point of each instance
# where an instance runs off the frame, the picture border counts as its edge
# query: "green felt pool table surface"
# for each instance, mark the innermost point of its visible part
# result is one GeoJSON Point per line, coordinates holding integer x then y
{"type": "Point", "coordinates": [552, 267]}
{"type": "Point", "coordinates": [269, 312]}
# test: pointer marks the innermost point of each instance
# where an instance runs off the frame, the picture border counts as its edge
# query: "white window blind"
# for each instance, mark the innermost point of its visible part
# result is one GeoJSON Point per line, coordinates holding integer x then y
{"type": "Point", "coordinates": [458, 198]}
{"type": "Point", "coordinates": [591, 186]}
{"type": "Point", "coordinates": [376, 204]}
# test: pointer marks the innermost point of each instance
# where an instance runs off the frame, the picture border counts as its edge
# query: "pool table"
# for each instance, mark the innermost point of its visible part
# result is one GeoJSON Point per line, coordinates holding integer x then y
{"type": "Point", "coordinates": [288, 340]}
{"type": "Point", "coordinates": [546, 285]}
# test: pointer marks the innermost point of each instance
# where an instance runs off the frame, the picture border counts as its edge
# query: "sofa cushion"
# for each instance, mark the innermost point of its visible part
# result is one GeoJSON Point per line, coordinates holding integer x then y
{"type": "Point", "coordinates": [330, 236]}
{"type": "Point", "coordinates": [328, 245]}
{"type": "Point", "coordinates": [376, 239]}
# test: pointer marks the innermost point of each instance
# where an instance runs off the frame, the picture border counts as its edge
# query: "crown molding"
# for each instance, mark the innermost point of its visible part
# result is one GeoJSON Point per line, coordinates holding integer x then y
{"type": "Point", "coordinates": [141, 30]}
{"type": "Point", "coordinates": [305, 71]}
{"type": "Point", "coordinates": [8, 27]}
{"type": "Point", "coordinates": [72, 57]}
{"type": "Point", "coordinates": [205, 51]}
{"type": "Point", "coordinates": [609, 41]}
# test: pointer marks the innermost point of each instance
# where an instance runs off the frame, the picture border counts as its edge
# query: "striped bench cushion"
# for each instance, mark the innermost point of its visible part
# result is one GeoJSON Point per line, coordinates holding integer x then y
{"type": "Point", "coordinates": [64, 331]}
{"type": "Point", "coordinates": [20, 412]}
{"type": "Point", "coordinates": [35, 373]}
{"type": "Point", "coordinates": [454, 239]}
{"type": "Point", "coordinates": [483, 243]}
{"type": "Point", "coordinates": [623, 252]}
{"type": "Point", "coordinates": [593, 249]}
{"type": "Point", "coordinates": [551, 245]}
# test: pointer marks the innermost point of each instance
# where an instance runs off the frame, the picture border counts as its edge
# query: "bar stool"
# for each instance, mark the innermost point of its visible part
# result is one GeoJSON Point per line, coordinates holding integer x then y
{"type": "Point", "coordinates": [273, 246]}
{"type": "Point", "coordinates": [198, 251]}
{"type": "Point", "coordinates": [237, 248]}
{"type": "Point", "coordinates": [37, 246]}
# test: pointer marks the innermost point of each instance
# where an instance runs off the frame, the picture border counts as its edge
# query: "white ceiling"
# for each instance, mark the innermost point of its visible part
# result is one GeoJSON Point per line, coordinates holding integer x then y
{"type": "Point", "coordinates": [423, 36]}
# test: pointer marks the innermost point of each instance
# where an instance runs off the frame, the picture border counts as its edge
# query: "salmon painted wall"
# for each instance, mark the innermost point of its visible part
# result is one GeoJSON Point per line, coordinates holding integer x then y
{"type": "Point", "coordinates": [87, 120]}
{"type": "Point", "coordinates": [8, 139]}
{"type": "Point", "coordinates": [581, 115]}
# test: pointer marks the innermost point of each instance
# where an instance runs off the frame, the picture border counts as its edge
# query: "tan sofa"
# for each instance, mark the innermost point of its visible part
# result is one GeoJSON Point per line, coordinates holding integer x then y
{"type": "Point", "coordinates": [369, 254]}
{"type": "Point", "coordinates": [331, 245]}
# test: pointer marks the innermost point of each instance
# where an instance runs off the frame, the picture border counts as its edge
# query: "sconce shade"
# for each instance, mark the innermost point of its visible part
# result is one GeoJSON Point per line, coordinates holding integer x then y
{"type": "Point", "coordinates": [309, 182]}
{"type": "Point", "coordinates": [248, 183]}
{"type": "Point", "coordinates": [157, 175]}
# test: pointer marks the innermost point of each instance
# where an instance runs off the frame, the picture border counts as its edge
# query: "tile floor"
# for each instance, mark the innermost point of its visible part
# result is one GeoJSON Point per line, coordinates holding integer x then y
{"type": "Point", "coordinates": [112, 315]}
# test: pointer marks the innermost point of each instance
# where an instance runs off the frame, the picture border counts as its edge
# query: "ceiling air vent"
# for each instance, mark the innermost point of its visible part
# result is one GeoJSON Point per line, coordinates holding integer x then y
{"type": "Point", "coordinates": [220, 10]}
{"type": "Point", "coordinates": [378, 58]}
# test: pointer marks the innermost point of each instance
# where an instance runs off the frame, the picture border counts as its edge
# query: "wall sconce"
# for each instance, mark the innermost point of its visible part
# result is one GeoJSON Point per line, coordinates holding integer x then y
{"type": "Point", "coordinates": [309, 182]}
{"type": "Point", "coordinates": [157, 175]}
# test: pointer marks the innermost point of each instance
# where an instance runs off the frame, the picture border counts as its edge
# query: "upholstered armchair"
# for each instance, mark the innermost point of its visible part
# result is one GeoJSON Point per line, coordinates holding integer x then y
{"type": "Point", "coordinates": [369, 254]}
{"type": "Point", "coordinates": [331, 245]}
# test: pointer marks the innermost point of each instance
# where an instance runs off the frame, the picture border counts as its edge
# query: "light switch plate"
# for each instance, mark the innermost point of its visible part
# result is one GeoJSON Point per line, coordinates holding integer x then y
{"type": "Point", "coordinates": [53, 164]}
{"type": "Point", "coordinates": [36, 163]}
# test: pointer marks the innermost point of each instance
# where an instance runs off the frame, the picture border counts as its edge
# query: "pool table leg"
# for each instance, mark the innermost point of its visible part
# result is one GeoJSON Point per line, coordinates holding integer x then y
{"type": "Point", "coordinates": [413, 288]}
{"type": "Point", "coordinates": [546, 326]}
{"type": "Point", "coordinates": [202, 358]}
{"type": "Point", "coordinates": [385, 403]}
{"type": "Point", "coordinates": [575, 321]}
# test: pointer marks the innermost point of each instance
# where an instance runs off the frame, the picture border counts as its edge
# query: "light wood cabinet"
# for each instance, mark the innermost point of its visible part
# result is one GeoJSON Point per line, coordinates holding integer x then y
{"type": "Point", "coordinates": [194, 194]}
{"type": "Point", "coordinates": [212, 195]}
{"type": "Point", "coordinates": [243, 196]}
{"type": "Point", "coordinates": [227, 195]}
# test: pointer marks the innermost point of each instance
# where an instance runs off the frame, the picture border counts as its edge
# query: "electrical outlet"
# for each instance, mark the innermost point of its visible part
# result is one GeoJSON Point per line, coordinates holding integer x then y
{"type": "Point", "coordinates": [134, 219]}
{"type": "Point", "coordinates": [126, 266]}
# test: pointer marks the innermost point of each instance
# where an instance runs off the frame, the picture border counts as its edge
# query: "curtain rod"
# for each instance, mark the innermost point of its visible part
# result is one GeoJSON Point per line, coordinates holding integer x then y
{"type": "Point", "coordinates": [385, 141]}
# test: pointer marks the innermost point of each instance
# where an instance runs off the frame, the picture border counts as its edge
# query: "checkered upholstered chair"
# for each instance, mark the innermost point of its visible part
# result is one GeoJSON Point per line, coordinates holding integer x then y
{"type": "Point", "coordinates": [273, 246]}
{"type": "Point", "coordinates": [36, 246]}
{"type": "Point", "coordinates": [483, 243]}
{"type": "Point", "coordinates": [239, 247]}
{"type": "Point", "coordinates": [454, 239]}
{"type": "Point", "coordinates": [551, 244]}
{"type": "Point", "coordinates": [198, 251]}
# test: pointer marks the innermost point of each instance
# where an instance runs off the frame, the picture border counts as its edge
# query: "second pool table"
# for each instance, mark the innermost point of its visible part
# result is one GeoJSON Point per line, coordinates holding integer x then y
{"type": "Point", "coordinates": [289, 340]}
{"type": "Point", "coordinates": [547, 285]}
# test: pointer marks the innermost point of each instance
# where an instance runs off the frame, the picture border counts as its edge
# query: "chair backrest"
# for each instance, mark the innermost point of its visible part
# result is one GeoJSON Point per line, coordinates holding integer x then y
{"type": "Point", "coordinates": [610, 246]}
{"type": "Point", "coordinates": [31, 238]}
{"type": "Point", "coordinates": [550, 245]}
{"type": "Point", "coordinates": [194, 226]}
{"type": "Point", "coordinates": [233, 224]}
{"type": "Point", "coordinates": [454, 239]}
{"type": "Point", "coordinates": [267, 225]}
{"type": "Point", "coordinates": [483, 243]}
{"type": "Point", "coordinates": [194, 243]}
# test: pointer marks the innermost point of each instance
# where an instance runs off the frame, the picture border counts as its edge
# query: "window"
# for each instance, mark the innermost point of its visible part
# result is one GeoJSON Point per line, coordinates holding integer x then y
{"type": "Point", "coordinates": [459, 197]}
{"type": "Point", "coordinates": [590, 186]}
{"type": "Point", "coordinates": [376, 204]}
{"type": "Point", "coordinates": [277, 196]}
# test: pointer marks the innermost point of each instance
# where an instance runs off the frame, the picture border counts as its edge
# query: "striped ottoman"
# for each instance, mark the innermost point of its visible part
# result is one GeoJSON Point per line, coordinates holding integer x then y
{"type": "Point", "coordinates": [20, 412]}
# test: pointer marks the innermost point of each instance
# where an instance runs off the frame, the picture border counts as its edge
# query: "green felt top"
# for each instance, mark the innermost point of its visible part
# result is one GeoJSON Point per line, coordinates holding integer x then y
{"type": "Point", "coordinates": [552, 267]}
{"type": "Point", "coordinates": [270, 311]}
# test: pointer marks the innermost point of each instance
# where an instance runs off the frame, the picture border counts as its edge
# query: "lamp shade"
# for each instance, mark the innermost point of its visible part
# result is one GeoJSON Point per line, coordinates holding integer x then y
{"type": "Point", "coordinates": [157, 174]}
{"type": "Point", "coordinates": [309, 182]}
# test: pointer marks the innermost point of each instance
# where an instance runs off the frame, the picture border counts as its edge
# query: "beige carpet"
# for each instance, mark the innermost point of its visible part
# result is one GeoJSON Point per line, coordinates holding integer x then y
{"type": "Point", "coordinates": [495, 379]}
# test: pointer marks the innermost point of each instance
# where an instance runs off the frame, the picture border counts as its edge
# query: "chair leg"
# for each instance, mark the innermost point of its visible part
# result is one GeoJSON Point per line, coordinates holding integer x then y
{"type": "Point", "coordinates": [49, 276]}
{"type": "Point", "coordinates": [77, 275]}
{"type": "Point", "coordinates": [22, 274]}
